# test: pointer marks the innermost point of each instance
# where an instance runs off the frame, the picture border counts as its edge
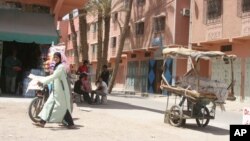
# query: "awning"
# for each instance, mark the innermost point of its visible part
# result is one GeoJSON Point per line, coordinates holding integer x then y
{"type": "Point", "coordinates": [184, 52]}
{"type": "Point", "coordinates": [26, 27]}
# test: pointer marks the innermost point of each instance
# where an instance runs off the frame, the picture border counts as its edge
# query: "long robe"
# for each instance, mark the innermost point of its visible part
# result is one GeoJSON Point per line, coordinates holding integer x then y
{"type": "Point", "coordinates": [58, 102]}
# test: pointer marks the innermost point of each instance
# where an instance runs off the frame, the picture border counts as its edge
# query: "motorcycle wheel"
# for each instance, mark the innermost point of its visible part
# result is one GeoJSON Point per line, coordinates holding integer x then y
{"type": "Point", "coordinates": [34, 109]}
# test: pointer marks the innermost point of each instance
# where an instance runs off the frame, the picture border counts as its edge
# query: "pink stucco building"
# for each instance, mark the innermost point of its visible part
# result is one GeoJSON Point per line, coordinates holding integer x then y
{"type": "Point", "coordinates": [154, 24]}
{"type": "Point", "coordinates": [223, 25]}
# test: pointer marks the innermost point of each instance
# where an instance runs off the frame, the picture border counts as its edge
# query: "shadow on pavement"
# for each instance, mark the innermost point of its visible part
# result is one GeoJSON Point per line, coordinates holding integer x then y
{"type": "Point", "coordinates": [13, 96]}
{"type": "Point", "coordinates": [76, 119]}
{"type": "Point", "coordinates": [128, 96]}
{"type": "Point", "coordinates": [59, 127]}
{"type": "Point", "coordinates": [209, 129]}
{"type": "Point", "coordinates": [118, 105]}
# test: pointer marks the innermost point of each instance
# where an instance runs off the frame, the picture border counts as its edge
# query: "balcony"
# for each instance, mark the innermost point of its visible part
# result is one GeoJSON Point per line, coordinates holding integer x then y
{"type": "Point", "coordinates": [139, 42]}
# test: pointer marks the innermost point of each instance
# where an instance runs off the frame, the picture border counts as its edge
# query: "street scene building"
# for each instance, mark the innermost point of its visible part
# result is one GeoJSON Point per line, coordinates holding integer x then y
{"type": "Point", "coordinates": [225, 27]}
{"type": "Point", "coordinates": [154, 25]}
{"type": "Point", "coordinates": [182, 73]}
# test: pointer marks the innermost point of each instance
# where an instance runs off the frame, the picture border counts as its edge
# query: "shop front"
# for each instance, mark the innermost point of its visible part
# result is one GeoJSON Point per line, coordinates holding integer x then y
{"type": "Point", "coordinates": [30, 35]}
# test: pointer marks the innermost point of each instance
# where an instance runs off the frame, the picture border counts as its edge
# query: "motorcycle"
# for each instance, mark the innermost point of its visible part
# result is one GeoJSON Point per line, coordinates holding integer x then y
{"type": "Point", "coordinates": [37, 103]}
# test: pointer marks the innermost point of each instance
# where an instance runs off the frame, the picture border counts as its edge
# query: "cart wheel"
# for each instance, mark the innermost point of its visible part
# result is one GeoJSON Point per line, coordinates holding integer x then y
{"type": "Point", "coordinates": [175, 116]}
{"type": "Point", "coordinates": [202, 121]}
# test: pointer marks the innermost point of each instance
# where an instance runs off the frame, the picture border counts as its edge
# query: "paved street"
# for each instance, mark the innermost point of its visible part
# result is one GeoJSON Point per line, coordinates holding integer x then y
{"type": "Point", "coordinates": [125, 117]}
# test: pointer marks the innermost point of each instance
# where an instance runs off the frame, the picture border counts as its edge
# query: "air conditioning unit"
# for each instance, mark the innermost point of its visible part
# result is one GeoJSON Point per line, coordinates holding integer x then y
{"type": "Point", "coordinates": [185, 12]}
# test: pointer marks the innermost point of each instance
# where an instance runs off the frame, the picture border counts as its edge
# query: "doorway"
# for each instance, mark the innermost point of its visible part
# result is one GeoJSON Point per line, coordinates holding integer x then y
{"type": "Point", "coordinates": [29, 55]}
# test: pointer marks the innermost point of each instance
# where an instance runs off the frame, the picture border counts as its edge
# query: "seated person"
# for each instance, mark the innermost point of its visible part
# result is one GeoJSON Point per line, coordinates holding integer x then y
{"type": "Point", "coordinates": [83, 87]}
{"type": "Point", "coordinates": [101, 90]}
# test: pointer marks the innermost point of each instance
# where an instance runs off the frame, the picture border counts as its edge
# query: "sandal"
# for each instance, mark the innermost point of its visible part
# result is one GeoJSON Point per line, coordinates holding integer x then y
{"type": "Point", "coordinates": [38, 124]}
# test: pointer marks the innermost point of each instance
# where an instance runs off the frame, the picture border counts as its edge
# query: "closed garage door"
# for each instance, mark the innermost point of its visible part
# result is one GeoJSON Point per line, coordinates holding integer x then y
{"type": "Point", "coordinates": [247, 80]}
{"type": "Point", "coordinates": [222, 72]}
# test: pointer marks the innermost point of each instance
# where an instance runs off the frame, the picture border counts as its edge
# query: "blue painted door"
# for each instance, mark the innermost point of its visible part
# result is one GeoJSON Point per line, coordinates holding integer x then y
{"type": "Point", "coordinates": [168, 68]}
{"type": "Point", "coordinates": [151, 76]}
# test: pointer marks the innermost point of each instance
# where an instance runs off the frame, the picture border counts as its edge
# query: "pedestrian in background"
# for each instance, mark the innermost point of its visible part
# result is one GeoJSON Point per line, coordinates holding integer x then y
{"type": "Point", "coordinates": [105, 74]}
{"type": "Point", "coordinates": [83, 68]}
{"type": "Point", "coordinates": [12, 67]}
{"type": "Point", "coordinates": [101, 90]}
{"type": "Point", "coordinates": [57, 108]}
{"type": "Point", "coordinates": [83, 87]}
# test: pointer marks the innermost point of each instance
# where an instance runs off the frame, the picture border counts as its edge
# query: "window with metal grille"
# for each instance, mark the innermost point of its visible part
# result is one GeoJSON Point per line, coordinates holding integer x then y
{"type": "Point", "coordinates": [140, 2]}
{"type": "Point", "coordinates": [40, 9]}
{"type": "Point", "coordinates": [159, 24]}
{"type": "Point", "coordinates": [126, 2]}
{"type": "Point", "coordinates": [115, 17]}
{"type": "Point", "coordinates": [113, 39]}
{"type": "Point", "coordinates": [214, 9]}
{"type": "Point", "coordinates": [245, 6]}
{"type": "Point", "coordinates": [94, 27]}
{"type": "Point", "coordinates": [94, 47]}
{"type": "Point", "coordinates": [139, 27]}
{"type": "Point", "coordinates": [225, 48]}
{"type": "Point", "coordinates": [88, 27]}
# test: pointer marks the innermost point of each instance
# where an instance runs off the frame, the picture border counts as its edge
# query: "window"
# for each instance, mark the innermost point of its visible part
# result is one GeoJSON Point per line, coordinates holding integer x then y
{"type": "Point", "coordinates": [140, 2]}
{"type": "Point", "coordinates": [113, 40]}
{"type": "Point", "coordinates": [39, 9]}
{"type": "Point", "coordinates": [94, 27]}
{"type": "Point", "coordinates": [126, 2]}
{"type": "Point", "coordinates": [245, 6]}
{"type": "Point", "coordinates": [214, 9]}
{"type": "Point", "coordinates": [88, 27]}
{"type": "Point", "coordinates": [69, 37]}
{"type": "Point", "coordinates": [115, 17]}
{"type": "Point", "coordinates": [133, 55]}
{"type": "Point", "coordinates": [147, 54]}
{"type": "Point", "coordinates": [139, 27]}
{"type": "Point", "coordinates": [226, 48]}
{"type": "Point", "coordinates": [94, 46]}
{"type": "Point", "coordinates": [159, 24]}
{"type": "Point", "coordinates": [10, 5]}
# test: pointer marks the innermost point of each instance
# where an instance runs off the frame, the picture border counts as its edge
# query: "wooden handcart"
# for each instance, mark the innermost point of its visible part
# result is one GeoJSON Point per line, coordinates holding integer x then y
{"type": "Point", "coordinates": [195, 95]}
